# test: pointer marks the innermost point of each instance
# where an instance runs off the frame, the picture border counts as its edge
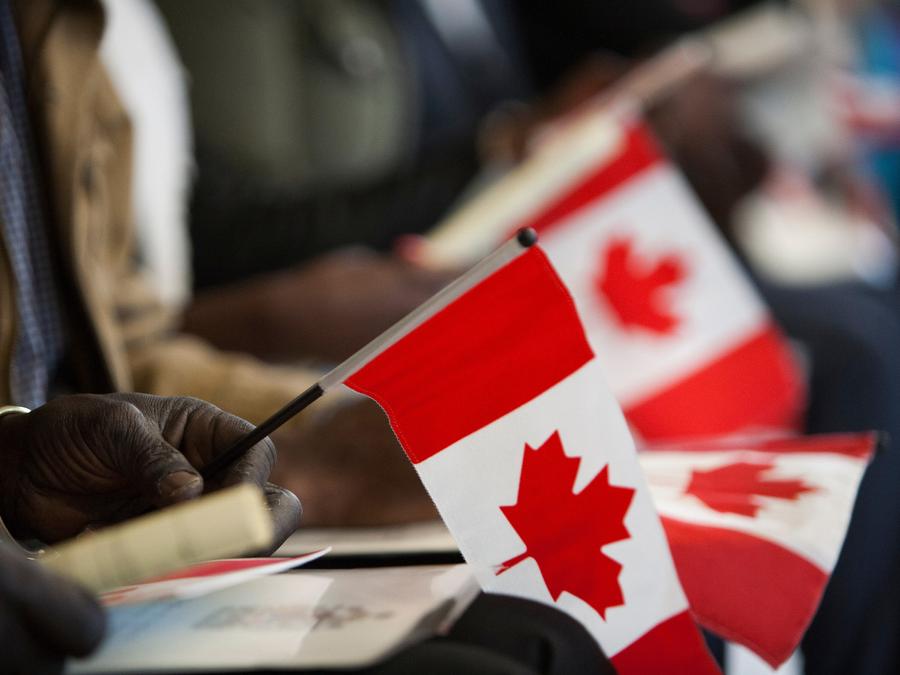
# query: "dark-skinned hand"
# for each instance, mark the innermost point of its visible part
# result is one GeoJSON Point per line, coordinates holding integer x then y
{"type": "Point", "coordinates": [327, 308]}
{"type": "Point", "coordinates": [43, 618]}
{"type": "Point", "coordinates": [87, 461]}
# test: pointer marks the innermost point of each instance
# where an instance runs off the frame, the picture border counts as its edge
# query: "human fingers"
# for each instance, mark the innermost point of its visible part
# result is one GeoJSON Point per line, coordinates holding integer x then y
{"type": "Point", "coordinates": [159, 470]}
{"type": "Point", "coordinates": [222, 431]}
{"type": "Point", "coordinates": [58, 616]}
{"type": "Point", "coordinates": [22, 653]}
{"type": "Point", "coordinates": [200, 431]}
{"type": "Point", "coordinates": [286, 511]}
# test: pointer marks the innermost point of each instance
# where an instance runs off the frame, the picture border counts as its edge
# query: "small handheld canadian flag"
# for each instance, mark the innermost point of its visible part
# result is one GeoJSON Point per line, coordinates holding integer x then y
{"type": "Point", "coordinates": [686, 344]}
{"type": "Point", "coordinates": [495, 400]}
{"type": "Point", "coordinates": [492, 389]}
{"type": "Point", "coordinates": [756, 526]}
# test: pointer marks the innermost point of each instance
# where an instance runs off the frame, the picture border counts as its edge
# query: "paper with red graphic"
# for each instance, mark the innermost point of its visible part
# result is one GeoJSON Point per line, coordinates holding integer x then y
{"type": "Point", "coordinates": [496, 401]}
{"type": "Point", "coordinates": [755, 528]}
{"type": "Point", "coordinates": [203, 578]}
{"type": "Point", "coordinates": [684, 341]}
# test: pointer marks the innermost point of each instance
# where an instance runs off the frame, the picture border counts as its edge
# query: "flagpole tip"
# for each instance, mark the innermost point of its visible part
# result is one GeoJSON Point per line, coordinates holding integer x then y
{"type": "Point", "coordinates": [526, 237]}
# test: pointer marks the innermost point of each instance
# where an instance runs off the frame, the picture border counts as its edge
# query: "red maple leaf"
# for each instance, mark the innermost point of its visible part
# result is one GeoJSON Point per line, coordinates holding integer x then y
{"type": "Point", "coordinates": [736, 488]}
{"type": "Point", "coordinates": [635, 288]}
{"type": "Point", "coordinates": [564, 532]}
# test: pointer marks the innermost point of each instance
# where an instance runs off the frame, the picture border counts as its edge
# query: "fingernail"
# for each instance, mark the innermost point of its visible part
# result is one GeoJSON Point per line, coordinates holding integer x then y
{"type": "Point", "coordinates": [178, 483]}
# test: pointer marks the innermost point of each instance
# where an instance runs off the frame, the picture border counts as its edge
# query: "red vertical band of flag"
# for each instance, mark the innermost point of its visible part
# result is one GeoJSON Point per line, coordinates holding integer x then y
{"type": "Point", "coordinates": [745, 588]}
{"type": "Point", "coordinates": [639, 151]}
{"type": "Point", "coordinates": [673, 646]}
{"type": "Point", "coordinates": [498, 346]}
{"type": "Point", "coordinates": [770, 394]}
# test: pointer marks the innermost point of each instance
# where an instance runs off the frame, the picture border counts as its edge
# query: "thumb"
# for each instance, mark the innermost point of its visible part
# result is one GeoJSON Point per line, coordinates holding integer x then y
{"type": "Point", "coordinates": [160, 471]}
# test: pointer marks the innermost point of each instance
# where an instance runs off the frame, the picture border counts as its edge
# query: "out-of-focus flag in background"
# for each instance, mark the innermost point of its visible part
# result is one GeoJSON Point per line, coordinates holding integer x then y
{"type": "Point", "coordinates": [498, 401]}
{"type": "Point", "coordinates": [685, 343]}
{"type": "Point", "coordinates": [868, 106]}
{"type": "Point", "coordinates": [755, 528]}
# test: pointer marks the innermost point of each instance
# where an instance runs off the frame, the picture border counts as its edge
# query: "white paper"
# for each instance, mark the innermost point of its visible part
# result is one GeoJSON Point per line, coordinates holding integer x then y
{"type": "Point", "coordinates": [203, 578]}
{"type": "Point", "coordinates": [425, 537]}
{"type": "Point", "coordinates": [305, 619]}
{"type": "Point", "coordinates": [230, 522]}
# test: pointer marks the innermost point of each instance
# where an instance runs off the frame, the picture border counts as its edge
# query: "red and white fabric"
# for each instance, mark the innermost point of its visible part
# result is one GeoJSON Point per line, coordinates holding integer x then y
{"type": "Point", "coordinates": [867, 105]}
{"type": "Point", "coordinates": [686, 344]}
{"type": "Point", "coordinates": [756, 527]}
{"type": "Point", "coordinates": [497, 401]}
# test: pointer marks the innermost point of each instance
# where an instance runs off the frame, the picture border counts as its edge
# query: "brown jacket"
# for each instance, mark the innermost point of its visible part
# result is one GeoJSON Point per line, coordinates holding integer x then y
{"type": "Point", "coordinates": [121, 336]}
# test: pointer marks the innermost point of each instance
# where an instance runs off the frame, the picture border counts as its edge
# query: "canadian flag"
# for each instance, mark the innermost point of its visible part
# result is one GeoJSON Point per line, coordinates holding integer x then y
{"type": "Point", "coordinates": [686, 344]}
{"type": "Point", "coordinates": [755, 528]}
{"type": "Point", "coordinates": [688, 347]}
{"type": "Point", "coordinates": [496, 400]}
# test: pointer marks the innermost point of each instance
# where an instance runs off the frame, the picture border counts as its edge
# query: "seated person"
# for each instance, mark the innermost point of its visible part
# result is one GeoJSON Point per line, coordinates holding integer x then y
{"type": "Point", "coordinates": [66, 220]}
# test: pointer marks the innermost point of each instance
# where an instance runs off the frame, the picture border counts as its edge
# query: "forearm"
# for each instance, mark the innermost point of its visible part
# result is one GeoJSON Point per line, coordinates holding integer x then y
{"type": "Point", "coordinates": [238, 318]}
{"type": "Point", "coordinates": [236, 383]}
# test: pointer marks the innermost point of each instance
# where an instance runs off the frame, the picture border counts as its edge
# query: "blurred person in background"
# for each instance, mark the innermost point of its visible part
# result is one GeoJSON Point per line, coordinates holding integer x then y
{"type": "Point", "coordinates": [358, 122]}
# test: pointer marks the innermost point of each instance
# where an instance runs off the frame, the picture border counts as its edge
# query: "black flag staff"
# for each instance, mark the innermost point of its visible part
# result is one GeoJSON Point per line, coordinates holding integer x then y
{"type": "Point", "coordinates": [524, 239]}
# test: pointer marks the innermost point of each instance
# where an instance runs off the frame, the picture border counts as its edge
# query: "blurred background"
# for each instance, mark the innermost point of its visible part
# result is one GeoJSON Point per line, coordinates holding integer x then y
{"type": "Point", "coordinates": [322, 124]}
{"type": "Point", "coordinates": [289, 152]}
